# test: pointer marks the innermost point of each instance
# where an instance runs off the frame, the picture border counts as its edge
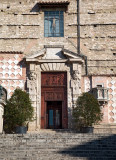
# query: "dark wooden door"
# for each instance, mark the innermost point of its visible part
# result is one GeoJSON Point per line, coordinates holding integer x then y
{"type": "Point", "coordinates": [54, 89]}
{"type": "Point", "coordinates": [54, 115]}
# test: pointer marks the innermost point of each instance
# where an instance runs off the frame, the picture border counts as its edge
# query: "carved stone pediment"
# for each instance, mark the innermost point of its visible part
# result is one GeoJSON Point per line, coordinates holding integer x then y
{"type": "Point", "coordinates": [54, 53]}
{"type": "Point", "coordinates": [36, 55]}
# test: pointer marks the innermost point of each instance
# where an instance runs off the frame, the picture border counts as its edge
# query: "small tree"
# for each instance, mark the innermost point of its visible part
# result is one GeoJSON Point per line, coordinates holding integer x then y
{"type": "Point", "coordinates": [17, 111]}
{"type": "Point", "coordinates": [87, 111]}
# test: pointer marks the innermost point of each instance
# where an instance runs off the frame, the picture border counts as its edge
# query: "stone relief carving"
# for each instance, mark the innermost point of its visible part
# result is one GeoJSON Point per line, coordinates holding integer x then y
{"type": "Point", "coordinates": [32, 75]}
{"type": "Point", "coordinates": [76, 84]}
{"type": "Point", "coordinates": [76, 78]}
{"type": "Point", "coordinates": [75, 75]}
{"type": "Point", "coordinates": [54, 79]}
{"type": "Point", "coordinates": [31, 83]}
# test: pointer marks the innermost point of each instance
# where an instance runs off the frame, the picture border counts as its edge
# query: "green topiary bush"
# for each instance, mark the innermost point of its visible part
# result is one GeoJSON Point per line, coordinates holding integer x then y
{"type": "Point", "coordinates": [87, 111]}
{"type": "Point", "coordinates": [17, 111]}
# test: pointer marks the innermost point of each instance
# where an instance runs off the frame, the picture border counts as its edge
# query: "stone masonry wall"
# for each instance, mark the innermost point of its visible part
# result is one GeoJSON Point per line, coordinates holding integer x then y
{"type": "Point", "coordinates": [98, 35]}
{"type": "Point", "coordinates": [22, 29]}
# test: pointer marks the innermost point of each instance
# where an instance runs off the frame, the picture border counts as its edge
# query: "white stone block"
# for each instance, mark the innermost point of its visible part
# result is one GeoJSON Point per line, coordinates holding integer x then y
{"type": "Point", "coordinates": [1, 118]}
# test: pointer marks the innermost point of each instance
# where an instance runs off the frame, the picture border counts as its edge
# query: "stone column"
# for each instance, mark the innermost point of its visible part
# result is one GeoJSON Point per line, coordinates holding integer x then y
{"type": "Point", "coordinates": [32, 87]}
{"type": "Point", "coordinates": [69, 99]}
{"type": "Point", "coordinates": [1, 117]}
{"type": "Point", "coordinates": [38, 103]}
{"type": "Point", "coordinates": [3, 97]}
{"type": "Point", "coordinates": [75, 85]}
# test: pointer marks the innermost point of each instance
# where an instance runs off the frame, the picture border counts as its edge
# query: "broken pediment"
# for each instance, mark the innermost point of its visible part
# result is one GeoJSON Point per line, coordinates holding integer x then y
{"type": "Point", "coordinates": [54, 53]}
{"type": "Point", "coordinates": [35, 55]}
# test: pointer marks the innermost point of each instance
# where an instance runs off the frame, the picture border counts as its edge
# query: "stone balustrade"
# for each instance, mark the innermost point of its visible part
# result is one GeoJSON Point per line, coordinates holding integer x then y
{"type": "Point", "coordinates": [100, 93]}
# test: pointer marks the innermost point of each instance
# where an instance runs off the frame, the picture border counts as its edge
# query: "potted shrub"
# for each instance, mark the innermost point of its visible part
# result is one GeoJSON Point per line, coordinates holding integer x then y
{"type": "Point", "coordinates": [18, 112]}
{"type": "Point", "coordinates": [87, 112]}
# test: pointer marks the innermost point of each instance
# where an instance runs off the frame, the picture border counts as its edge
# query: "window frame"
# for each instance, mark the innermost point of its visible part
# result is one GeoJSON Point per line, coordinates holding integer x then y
{"type": "Point", "coordinates": [48, 34]}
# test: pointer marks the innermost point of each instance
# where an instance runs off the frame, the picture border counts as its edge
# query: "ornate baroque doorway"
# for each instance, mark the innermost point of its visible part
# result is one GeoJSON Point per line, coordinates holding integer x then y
{"type": "Point", "coordinates": [54, 100]}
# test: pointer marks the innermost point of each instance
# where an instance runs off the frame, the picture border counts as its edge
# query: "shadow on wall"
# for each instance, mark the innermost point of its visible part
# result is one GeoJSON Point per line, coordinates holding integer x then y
{"type": "Point", "coordinates": [99, 149]}
{"type": "Point", "coordinates": [35, 8]}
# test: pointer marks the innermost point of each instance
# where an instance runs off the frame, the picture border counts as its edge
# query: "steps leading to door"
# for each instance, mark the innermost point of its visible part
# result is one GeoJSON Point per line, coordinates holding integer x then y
{"type": "Point", "coordinates": [57, 145]}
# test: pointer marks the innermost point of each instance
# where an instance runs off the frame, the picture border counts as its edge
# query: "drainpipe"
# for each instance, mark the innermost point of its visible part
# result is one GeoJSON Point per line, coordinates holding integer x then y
{"type": "Point", "coordinates": [86, 68]}
{"type": "Point", "coordinates": [78, 27]}
{"type": "Point", "coordinates": [78, 36]}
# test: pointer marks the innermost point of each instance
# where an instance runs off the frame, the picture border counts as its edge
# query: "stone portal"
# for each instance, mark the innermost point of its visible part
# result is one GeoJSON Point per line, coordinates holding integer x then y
{"type": "Point", "coordinates": [54, 83]}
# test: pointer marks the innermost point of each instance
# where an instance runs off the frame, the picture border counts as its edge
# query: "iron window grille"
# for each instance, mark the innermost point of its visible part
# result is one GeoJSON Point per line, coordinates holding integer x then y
{"type": "Point", "coordinates": [54, 24]}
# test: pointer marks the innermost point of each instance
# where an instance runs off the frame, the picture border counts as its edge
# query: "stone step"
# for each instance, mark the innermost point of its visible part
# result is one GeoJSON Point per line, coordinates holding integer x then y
{"type": "Point", "coordinates": [105, 128]}
{"type": "Point", "coordinates": [58, 146]}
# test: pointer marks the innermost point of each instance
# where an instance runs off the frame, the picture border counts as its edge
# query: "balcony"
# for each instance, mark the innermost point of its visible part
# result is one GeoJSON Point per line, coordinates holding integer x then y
{"type": "Point", "coordinates": [100, 93]}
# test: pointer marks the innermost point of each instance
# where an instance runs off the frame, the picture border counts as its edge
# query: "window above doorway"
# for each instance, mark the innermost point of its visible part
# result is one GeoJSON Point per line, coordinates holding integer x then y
{"type": "Point", "coordinates": [54, 24]}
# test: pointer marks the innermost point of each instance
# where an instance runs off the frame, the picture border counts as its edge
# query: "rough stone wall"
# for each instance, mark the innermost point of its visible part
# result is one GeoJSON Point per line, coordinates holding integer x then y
{"type": "Point", "coordinates": [98, 35]}
{"type": "Point", "coordinates": [22, 27]}
{"type": "Point", "coordinates": [98, 43]}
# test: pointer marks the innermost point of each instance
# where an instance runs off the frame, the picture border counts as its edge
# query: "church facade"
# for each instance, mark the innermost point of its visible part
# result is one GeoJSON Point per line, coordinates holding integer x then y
{"type": "Point", "coordinates": [56, 50]}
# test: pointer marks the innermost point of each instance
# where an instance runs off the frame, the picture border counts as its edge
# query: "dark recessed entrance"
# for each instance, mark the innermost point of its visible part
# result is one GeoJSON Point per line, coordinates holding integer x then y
{"type": "Point", "coordinates": [54, 115]}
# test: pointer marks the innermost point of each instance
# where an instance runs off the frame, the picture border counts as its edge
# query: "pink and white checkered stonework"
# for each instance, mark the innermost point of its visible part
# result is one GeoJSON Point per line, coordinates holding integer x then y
{"type": "Point", "coordinates": [109, 109]}
{"type": "Point", "coordinates": [12, 73]}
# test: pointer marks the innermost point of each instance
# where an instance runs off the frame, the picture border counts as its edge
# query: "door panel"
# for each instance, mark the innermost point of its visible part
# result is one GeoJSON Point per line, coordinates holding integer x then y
{"type": "Point", "coordinates": [57, 117]}
{"type": "Point", "coordinates": [51, 117]}
{"type": "Point", "coordinates": [54, 114]}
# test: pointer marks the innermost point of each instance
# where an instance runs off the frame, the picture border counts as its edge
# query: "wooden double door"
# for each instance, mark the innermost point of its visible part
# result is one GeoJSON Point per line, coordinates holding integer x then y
{"type": "Point", "coordinates": [54, 114]}
{"type": "Point", "coordinates": [54, 100]}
